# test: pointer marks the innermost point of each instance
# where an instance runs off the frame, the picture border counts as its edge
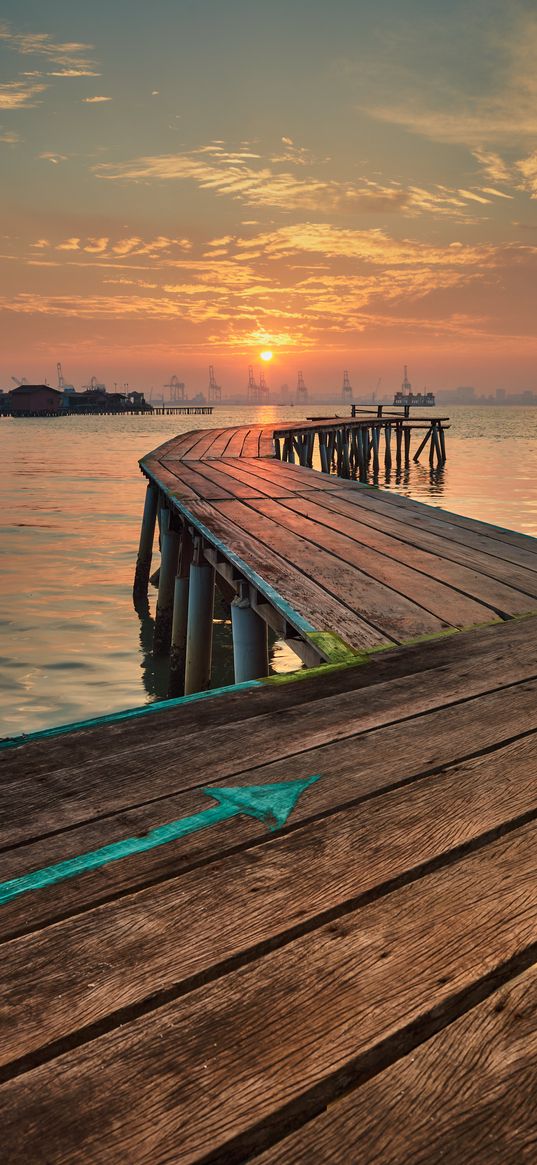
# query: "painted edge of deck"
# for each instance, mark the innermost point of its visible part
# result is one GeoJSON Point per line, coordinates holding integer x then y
{"type": "Point", "coordinates": [125, 714]}
{"type": "Point", "coordinates": [346, 658]}
{"type": "Point", "coordinates": [264, 587]}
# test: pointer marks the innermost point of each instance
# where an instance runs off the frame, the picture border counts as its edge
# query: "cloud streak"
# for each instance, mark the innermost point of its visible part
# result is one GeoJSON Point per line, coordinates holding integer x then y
{"type": "Point", "coordinates": [230, 174]}
{"type": "Point", "coordinates": [72, 56]}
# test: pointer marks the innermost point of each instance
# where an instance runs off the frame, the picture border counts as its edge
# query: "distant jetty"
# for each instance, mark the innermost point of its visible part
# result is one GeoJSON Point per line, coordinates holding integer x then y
{"type": "Point", "coordinates": [41, 400]}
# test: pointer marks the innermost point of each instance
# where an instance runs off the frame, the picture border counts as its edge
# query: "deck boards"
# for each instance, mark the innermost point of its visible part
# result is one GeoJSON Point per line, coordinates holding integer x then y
{"type": "Point", "coordinates": [412, 1111]}
{"type": "Point", "coordinates": [402, 893]}
{"type": "Point", "coordinates": [394, 569]}
{"type": "Point", "coordinates": [356, 985]}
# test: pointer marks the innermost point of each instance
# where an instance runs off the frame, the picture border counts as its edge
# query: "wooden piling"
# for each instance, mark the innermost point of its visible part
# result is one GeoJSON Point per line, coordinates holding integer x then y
{"type": "Point", "coordinates": [168, 567]}
{"type": "Point", "coordinates": [388, 446]}
{"type": "Point", "coordinates": [375, 442]}
{"type": "Point", "coordinates": [407, 439]}
{"type": "Point", "coordinates": [421, 447]}
{"type": "Point", "coordinates": [147, 535]}
{"type": "Point", "coordinates": [180, 616]}
{"type": "Point", "coordinates": [199, 637]}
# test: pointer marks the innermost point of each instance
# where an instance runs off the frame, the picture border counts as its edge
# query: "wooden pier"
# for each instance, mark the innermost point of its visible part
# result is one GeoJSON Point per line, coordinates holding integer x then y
{"type": "Point", "coordinates": [171, 410]}
{"type": "Point", "coordinates": [294, 920]}
{"type": "Point", "coordinates": [354, 445]}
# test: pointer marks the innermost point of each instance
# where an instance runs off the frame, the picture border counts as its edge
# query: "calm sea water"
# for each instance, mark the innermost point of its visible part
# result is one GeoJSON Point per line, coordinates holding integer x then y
{"type": "Point", "coordinates": [71, 496]}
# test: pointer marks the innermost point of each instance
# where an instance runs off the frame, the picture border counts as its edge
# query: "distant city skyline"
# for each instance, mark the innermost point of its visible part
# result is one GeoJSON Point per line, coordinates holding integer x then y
{"type": "Point", "coordinates": [351, 185]}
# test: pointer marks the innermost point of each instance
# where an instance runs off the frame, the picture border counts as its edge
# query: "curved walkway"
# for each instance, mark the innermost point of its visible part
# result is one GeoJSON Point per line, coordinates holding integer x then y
{"type": "Point", "coordinates": [341, 563]}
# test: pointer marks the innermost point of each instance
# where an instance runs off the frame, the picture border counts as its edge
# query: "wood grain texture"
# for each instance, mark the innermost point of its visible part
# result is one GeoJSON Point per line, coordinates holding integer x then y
{"type": "Point", "coordinates": [448, 604]}
{"type": "Point", "coordinates": [187, 475]}
{"type": "Point", "coordinates": [395, 616]}
{"type": "Point", "coordinates": [496, 595]}
{"type": "Point", "coordinates": [478, 538]}
{"type": "Point", "coordinates": [513, 537]}
{"type": "Point", "coordinates": [351, 771]}
{"type": "Point", "coordinates": [487, 564]}
{"type": "Point", "coordinates": [465, 1096]}
{"type": "Point", "coordinates": [113, 780]}
{"type": "Point", "coordinates": [214, 1069]}
{"type": "Point", "coordinates": [314, 603]}
{"type": "Point", "coordinates": [165, 935]}
{"type": "Point", "coordinates": [236, 471]}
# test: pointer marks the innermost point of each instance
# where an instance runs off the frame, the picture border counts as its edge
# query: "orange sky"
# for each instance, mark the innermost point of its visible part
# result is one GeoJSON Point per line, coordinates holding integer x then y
{"type": "Point", "coordinates": [352, 185]}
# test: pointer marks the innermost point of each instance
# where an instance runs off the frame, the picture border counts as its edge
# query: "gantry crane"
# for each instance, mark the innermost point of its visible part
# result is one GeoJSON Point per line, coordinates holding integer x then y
{"type": "Point", "coordinates": [177, 389]}
{"type": "Point", "coordinates": [346, 391]}
{"type": "Point", "coordinates": [301, 391]}
{"type": "Point", "coordinates": [253, 388]}
{"type": "Point", "coordinates": [215, 392]}
{"type": "Point", "coordinates": [263, 388]}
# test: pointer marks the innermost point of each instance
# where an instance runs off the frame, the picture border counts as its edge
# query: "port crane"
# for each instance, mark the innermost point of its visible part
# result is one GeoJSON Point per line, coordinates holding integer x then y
{"type": "Point", "coordinates": [301, 390]}
{"type": "Point", "coordinates": [263, 388]}
{"type": "Point", "coordinates": [215, 392]}
{"type": "Point", "coordinates": [253, 388]}
{"type": "Point", "coordinates": [177, 389]}
{"type": "Point", "coordinates": [346, 391]}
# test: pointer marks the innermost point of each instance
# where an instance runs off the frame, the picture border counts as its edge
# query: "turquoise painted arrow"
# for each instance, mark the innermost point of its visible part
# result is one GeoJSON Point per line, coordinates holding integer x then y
{"type": "Point", "coordinates": [271, 804]}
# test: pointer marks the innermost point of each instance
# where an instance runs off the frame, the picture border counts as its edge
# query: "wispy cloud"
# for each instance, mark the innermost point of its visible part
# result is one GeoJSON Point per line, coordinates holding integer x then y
{"type": "Point", "coordinates": [20, 94]}
{"type": "Point", "coordinates": [73, 56]}
{"type": "Point", "coordinates": [95, 100]}
{"type": "Point", "coordinates": [160, 246]}
{"type": "Point", "coordinates": [9, 137]}
{"type": "Point", "coordinates": [231, 174]}
{"type": "Point", "coordinates": [493, 166]}
{"type": "Point", "coordinates": [527, 168]}
{"type": "Point", "coordinates": [503, 109]}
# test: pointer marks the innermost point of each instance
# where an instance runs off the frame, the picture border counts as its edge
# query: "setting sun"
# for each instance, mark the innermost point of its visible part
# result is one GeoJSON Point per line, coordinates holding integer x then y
{"type": "Point", "coordinates": [266, 355]}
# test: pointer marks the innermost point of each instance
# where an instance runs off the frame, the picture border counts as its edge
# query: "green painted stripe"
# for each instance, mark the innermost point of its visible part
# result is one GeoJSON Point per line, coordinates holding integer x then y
{"type": "Point", "coordinates": [271, 804]}
{"type": "Point", "coordinates": [128, 714]}
{"type": "Point", "coordinates": [50, 875]}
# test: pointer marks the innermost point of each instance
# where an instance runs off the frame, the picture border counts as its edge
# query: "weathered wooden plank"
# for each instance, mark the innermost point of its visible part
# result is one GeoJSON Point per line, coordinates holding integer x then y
{"type": "Point", "coordinates": [195, 481]}
{"type": "Point", "coordinates": [494, 594]}
{"type": "Point", "coordinates": [320, 608]}
{"type": "Point", "coordinates": [203, 445]}
{"type": "Point", "coordinates": [479, 539]}
{"type": "Point", "coordinates": [165, 478]}
{"type": "Point", "coordinates": [395, 966]}
{"type": "Point", "coordinates": [251, 444]}
{"type": "Point", "coordinates": [351, 769]}
{"type": "Point", "coordinates": [236, 471]}
{"type": "Point", "coordinates": [513, 537]}
{"type": "Point", "coordinates": [221, 443]}
{"type": "Point", "coordinates": [393, 615]}
{"type": "Point", "coordinates": [266, 442]}
{"type": "Point", "coordinates": [466, 1095]}
{"type": "Point", "coordinates": [510, 651]}
{"type": "Point", "coordinates": [447, 604]}
{"type": "Point", "coordinates": [487, 564]}
{"type": "Point", "coordinates": [295, 477]}
{"type": "Point", "coordinates": [234, 449]}
{"type": "Point", "coordinates": [418, 824]}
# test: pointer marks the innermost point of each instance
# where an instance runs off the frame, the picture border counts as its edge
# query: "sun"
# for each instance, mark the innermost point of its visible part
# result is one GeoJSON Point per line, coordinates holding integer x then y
{"type": "Point", "coordinates": [266, 356]}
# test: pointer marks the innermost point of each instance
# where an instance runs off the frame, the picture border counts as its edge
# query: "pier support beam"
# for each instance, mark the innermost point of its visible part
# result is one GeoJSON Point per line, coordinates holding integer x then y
{"type": "Point", "coordinates": [180, 616]}
{"type": "Point", "coordinates": [145, 550]}
{"type": "Point", "coordinates": [168, 567]}
{"type": "Point", "coordinates": [199, 635]}
{"type": "Point", "coordinates": [250, 639]}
